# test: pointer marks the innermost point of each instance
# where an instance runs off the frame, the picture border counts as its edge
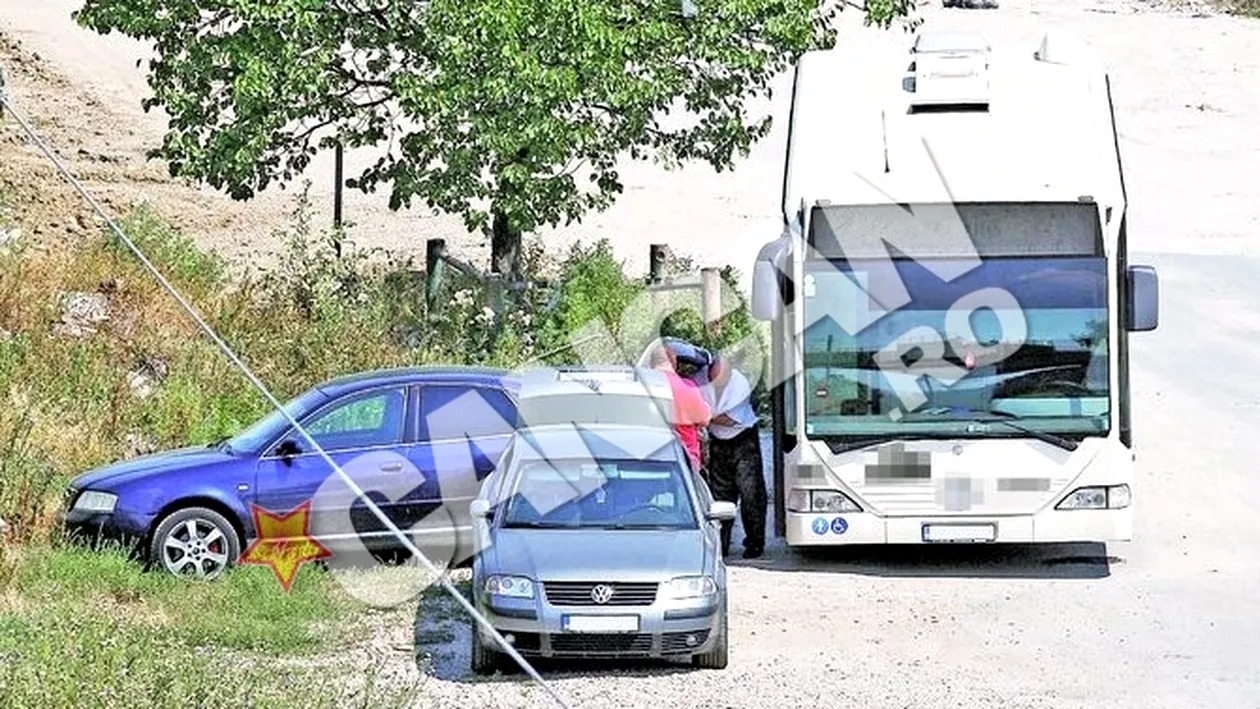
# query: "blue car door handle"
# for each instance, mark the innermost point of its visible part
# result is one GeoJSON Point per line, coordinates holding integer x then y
{"type": "Point", "coordinates": [391, 467]}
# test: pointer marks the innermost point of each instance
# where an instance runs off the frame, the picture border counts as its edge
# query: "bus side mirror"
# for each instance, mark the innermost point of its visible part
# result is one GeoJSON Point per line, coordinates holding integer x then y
{"type": "Point", "coordinates": [1143, 299]}
{"type": "Point", "coordinates": [765, 295]}
{"type": "Point", "coordinates": [767, 299]}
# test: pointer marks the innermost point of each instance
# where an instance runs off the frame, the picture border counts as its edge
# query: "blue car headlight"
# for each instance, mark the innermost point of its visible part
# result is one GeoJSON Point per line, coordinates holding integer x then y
{"type": "Point", "coordinates": [96, 502]}
{"type": "Point", "coordinates": [689, 587]}
{"type": "Point", "coordinates": [510, 586]}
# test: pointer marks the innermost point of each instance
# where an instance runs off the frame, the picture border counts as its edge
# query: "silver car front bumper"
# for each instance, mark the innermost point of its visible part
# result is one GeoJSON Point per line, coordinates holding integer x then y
{"type": "Point", "coordinates": [666, 628]}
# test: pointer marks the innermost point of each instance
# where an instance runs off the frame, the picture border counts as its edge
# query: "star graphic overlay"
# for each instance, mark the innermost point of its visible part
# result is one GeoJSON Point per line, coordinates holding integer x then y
{"type": "Point", "coordinates": [284, 543]}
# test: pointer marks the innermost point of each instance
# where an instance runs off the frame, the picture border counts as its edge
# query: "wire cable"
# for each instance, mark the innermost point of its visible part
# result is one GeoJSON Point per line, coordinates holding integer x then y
{"type": "Point", "coordinates": [6, 104]}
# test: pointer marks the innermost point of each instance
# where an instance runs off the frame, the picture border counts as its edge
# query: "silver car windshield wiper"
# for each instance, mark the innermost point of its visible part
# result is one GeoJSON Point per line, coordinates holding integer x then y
{"type": "Point", "coordinates": [623, 525]}
{"type": "Point", "coordinates": [535, 524]}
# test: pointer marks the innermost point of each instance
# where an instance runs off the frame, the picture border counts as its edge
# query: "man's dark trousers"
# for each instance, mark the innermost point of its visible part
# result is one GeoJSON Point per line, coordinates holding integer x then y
{"type": "Point", "coordinates": [736, 475]}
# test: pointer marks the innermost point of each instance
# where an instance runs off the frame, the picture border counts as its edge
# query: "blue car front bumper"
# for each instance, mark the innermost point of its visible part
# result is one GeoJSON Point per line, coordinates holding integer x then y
{"type": "Point", "coordinates": [123, 526]}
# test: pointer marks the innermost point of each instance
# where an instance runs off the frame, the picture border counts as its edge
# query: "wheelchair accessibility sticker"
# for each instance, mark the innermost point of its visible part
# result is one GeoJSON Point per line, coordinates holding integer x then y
{"type": "Point", "coordinates": [836, 525]}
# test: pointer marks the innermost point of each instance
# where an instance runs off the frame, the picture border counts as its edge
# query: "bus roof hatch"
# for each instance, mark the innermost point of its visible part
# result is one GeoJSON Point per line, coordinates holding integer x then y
{"type": "Point", "coordinates": [950, 72]}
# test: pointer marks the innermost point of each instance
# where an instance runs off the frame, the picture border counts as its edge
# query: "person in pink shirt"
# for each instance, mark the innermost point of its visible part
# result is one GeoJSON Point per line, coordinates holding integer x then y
{"type": "Point", "coordinates": [691, 412]}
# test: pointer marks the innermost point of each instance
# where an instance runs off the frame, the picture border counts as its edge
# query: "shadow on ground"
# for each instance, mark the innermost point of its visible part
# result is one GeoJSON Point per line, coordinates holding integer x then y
{"type": "Point", "coordinates": [443, 637]}
{"type": "Point", "coordinates": [1084, 560]}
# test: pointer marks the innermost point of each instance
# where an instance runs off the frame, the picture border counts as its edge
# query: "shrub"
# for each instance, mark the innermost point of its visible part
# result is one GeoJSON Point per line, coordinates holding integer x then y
{"type": "Point", "coordinates": [67, 404]}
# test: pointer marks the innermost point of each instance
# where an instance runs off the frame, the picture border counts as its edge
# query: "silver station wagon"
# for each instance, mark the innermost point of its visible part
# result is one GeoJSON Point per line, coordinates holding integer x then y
{"type": "Point", "coordinates": [598, 541]}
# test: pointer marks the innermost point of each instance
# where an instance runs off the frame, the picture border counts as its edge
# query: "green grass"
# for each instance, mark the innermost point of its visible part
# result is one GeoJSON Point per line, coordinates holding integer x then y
{"type": "Point", "coordinates": [1243, 8]}
{"type": "Point", "coordinates": [91, 629]}
{"type": "Point", "coordinates": [175, 253]}
{"type": "Point", "coordinates": [247, 611]}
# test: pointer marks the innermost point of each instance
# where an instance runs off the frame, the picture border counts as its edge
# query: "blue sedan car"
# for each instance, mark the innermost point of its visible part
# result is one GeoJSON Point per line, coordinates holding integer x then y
{"type": "Point", "coordinates": [416, 440]}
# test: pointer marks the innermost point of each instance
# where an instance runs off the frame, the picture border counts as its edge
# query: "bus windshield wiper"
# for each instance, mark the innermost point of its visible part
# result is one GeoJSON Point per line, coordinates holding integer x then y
{"type": "Point", "coordinates": [1066, 444]}
{"type": "Point", "coordinates": [1008, 420]}
{"type": "Point", "coordinates": [846, 446]}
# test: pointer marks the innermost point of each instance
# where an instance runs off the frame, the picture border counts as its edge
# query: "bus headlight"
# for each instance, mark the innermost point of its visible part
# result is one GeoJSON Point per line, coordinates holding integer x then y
{"type": "Point", "coordinates": [820, 501]}
{"type": "Point", "coordinates": [1114, 497]}
{"type": "Point", "coordinates": [798, 500]}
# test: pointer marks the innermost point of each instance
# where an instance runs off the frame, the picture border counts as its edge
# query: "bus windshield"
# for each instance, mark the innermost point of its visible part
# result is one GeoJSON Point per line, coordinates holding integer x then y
{"type": "Point", "coordinates": [1054, 378]}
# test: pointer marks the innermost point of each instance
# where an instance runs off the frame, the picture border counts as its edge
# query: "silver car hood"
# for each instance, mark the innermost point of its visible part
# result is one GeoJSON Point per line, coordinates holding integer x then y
{"type": "Point", "coordinates": [626, 555]}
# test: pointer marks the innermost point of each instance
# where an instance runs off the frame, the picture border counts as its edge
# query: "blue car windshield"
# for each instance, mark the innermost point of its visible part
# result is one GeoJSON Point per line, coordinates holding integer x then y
{"type": "Point", "coordinates": [1050, 374]}
{"type": "Point", "coordinates": [266, 429]}
{"type": "Point", "coordinates": [600, 493]}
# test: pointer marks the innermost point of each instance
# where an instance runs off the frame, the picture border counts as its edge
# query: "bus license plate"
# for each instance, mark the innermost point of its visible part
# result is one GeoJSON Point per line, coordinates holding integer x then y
{"type": "Point", "coordinates": [600, 623]}
{"type": "Point", "coordinates": [959, 532]}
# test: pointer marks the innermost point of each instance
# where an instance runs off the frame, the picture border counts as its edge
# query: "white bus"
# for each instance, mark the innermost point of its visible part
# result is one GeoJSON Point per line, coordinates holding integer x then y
{"type": "Point", "coordinates": [951, 298]}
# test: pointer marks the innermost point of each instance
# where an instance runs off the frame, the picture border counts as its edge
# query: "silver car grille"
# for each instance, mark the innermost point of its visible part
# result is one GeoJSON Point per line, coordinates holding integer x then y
{"type": "Point", "coordinates": [610, 644]}
{"type": "Point", "coordinates": [578, 593]}
{"type": "Point", "coordinates": [601, 644]}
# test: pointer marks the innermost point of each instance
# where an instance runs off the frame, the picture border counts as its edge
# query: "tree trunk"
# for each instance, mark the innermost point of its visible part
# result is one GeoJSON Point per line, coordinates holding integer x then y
{"type": "Point", "coordinates": [505, 248]}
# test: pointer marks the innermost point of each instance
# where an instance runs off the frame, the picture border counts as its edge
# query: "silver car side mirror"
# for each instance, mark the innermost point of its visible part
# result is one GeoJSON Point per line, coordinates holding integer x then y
{"type": "Point", "coordinates": [724, 511]}
{"type": "Point", "coordinates": [479, 509]}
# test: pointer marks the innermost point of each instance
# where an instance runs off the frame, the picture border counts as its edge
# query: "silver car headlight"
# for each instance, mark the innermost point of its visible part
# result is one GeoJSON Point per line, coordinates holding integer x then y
{"type": "Point", "coordinates": [1114, 497]}
{"type": "Point", "coordinates": [689, 587]}
{"type": "Point", "coordinates": [510, 586]}
{"type": "Point", "coordinates": [96, 502]}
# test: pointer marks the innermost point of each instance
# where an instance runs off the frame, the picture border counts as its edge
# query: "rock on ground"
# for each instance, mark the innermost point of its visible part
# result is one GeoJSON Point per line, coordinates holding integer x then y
{"type": "Point", "coordinates": [81, 313]}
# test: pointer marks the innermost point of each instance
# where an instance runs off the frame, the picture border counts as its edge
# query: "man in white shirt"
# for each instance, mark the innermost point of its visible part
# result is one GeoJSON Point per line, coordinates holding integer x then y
{"type": "Point", "coordinates": [735, 466]}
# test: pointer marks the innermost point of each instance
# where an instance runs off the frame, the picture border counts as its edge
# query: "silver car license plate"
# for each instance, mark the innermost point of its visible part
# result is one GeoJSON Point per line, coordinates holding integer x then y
{"type": "Point", "coordinates": [600, 623]}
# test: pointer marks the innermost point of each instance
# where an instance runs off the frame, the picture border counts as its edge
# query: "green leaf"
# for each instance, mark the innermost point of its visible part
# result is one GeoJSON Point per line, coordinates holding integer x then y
{"type": "Point", "coordinates": [515, 107]}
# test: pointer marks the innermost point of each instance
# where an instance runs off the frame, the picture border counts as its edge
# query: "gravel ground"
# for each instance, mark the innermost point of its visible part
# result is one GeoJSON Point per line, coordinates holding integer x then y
{"type": "Point", "coordinates": [1165, 621]}
{"type": "Point", "coordinates": [1168, 620]}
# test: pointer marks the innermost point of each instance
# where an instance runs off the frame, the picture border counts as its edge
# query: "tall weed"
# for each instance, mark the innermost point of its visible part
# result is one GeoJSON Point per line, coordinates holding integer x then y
{"type": "Point", "coordinates": [68, 404]}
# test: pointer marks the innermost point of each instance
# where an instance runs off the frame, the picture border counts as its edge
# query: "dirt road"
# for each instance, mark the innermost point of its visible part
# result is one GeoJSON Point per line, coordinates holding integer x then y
{"type": "Point", "coordinates": [1168, 620]}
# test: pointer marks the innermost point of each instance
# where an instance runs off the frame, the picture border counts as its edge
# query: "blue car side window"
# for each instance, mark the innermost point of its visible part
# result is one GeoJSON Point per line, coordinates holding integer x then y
{"type": "Point", "coordinates": [472, 421]}
{"type": "Point", "coordinates": [365, 421]}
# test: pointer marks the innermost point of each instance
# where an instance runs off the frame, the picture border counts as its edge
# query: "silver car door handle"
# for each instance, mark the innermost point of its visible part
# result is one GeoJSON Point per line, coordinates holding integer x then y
{"type": "Point", "coordinates": [391, 467]}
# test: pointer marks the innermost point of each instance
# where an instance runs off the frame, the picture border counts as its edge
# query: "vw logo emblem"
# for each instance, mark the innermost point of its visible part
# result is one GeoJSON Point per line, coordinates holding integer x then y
{"type": "Point", "coordinates": [602, 593]}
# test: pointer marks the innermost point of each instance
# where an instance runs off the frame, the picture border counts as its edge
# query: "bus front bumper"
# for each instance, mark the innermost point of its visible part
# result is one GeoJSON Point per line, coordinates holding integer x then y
{"type": "Point", "coordinates": [813, 529]}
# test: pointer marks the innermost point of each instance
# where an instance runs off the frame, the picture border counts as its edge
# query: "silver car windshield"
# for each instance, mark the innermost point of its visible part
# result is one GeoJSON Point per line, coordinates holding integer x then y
{"type": "Point", "coordinates": [601, 493]}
